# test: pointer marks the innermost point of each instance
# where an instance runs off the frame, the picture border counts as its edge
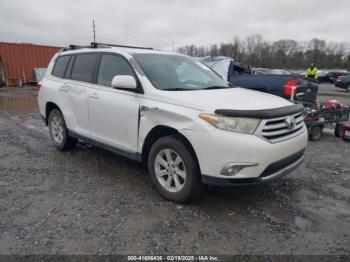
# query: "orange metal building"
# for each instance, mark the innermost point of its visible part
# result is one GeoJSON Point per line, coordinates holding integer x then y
{"type": "Point", "coordinates": [18, 60]}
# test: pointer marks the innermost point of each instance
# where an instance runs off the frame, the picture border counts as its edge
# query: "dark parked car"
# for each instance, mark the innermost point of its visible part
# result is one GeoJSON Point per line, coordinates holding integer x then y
{"type": "Point", "coordinates": [343, 82]}
{"type": "Point", "coordinates": [331, 76]}
{"type": "Point", "coordinates": [276, 84]}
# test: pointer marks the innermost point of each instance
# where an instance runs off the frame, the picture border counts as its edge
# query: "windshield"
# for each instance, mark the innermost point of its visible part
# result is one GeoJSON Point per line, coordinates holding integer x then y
{"type": "Point", "coordinates": [174, 72]}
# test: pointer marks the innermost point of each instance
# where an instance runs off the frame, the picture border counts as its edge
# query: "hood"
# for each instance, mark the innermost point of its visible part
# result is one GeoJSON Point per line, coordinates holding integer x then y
{"type": "Point", "coordinates": [232, 98]}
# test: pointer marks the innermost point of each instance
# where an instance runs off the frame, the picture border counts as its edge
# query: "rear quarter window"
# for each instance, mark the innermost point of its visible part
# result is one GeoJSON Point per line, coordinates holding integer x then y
{"type": "Point", "coordinates": [60, 66]}
{"type": "Point", "coordinates": [84, 67]}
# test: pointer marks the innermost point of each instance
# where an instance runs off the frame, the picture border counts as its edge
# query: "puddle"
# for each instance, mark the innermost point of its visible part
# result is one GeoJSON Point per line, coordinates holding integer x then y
{"type": "Point", "coordinates": [18, 105]}
{"type": "Point", "coordinates": [302, 223]}
{"type": "Point", "coordinates": [292, 219]}
{"type": "Point", "coordinates": [23, 109]}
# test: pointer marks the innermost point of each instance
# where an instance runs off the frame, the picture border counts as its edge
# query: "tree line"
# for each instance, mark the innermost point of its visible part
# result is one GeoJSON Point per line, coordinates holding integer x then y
{"type": "Point", "coordinates": [286, 53]}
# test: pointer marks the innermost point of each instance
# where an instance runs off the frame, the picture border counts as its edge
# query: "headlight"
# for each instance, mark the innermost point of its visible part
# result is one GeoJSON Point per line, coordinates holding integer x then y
{"type": "Point", "coordinates": [233, 124]}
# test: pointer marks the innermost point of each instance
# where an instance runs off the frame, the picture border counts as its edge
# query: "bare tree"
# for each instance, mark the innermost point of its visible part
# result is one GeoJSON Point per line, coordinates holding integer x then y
{"type": "Point", "coordinates": [285, 53]}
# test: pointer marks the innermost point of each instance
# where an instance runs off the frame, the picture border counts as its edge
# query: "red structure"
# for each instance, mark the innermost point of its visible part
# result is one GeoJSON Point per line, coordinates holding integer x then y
{"type": "Point", "coordinates": [18, 60]}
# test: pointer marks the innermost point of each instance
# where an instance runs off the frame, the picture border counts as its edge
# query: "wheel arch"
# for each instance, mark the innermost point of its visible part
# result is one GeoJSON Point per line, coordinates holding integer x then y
{"type": "Point", "coordinates": [161, 131]}
{"type": "Point", "coordinates": [48, 108]}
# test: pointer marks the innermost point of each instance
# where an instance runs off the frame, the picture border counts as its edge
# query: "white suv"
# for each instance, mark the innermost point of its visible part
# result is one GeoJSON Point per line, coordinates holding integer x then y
{"type": "Point", "coordinates": [172, 113]}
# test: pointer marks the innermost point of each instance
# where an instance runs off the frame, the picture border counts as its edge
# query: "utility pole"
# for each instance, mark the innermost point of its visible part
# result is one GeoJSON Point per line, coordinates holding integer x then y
{"type": "Point", "coordinates": [94, 29]}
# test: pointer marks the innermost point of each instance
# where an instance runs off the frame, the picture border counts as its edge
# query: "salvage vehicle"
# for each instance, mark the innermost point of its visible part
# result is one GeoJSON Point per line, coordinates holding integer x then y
{"type": "Point", "coordinates": [343, 82]}
{"type": "Point", "coordinates": [176, 115]}
{"type": "Point", "coordinates": [276, 84]}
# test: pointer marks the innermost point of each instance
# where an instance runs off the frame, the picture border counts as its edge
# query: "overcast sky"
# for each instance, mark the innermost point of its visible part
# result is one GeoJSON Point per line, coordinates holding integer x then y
{"type": "Point", "coordinates": [157, 23]}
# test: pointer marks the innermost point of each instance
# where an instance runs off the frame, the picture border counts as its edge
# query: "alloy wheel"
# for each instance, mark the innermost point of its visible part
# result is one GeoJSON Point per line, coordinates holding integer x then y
{"type": "Point", "coordinates": [170, 170]}
{"type": "Point", "coordinates": [57, 129]}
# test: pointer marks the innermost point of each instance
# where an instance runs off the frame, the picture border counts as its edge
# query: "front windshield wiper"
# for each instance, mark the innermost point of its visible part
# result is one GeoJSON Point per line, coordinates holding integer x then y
{"type": "Point", "coordinates": [216, 87]}
{"type": "Point", "coordinates": [197, 89]}
{"type": "Point", "coordinates": [179, 89]}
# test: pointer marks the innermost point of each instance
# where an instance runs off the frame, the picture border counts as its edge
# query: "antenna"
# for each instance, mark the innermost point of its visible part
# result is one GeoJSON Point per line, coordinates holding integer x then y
{"type": "Point", "coordinates": [94, 29]}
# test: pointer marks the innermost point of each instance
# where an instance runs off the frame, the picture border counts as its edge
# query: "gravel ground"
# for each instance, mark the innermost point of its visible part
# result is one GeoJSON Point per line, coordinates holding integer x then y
{"type": "Point", "coordinates": [89, 201]}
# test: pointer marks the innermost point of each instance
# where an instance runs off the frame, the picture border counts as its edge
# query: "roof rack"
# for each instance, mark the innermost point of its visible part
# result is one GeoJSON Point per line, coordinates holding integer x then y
{"type": "Point", "coordinates": [123, 46]}
{"type": "Point", "coordinates": [102, 45]}
{"type": "Point", "coordinates": [75, 47]}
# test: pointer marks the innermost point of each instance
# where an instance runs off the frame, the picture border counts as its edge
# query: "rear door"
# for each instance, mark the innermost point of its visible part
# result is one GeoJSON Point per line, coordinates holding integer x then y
{"type": "Point", "coordinates": [114, 113]}
{"type": "Point", "coordinates": [58, 82]}
{"type": "Point", "coordinates": [81, 72]}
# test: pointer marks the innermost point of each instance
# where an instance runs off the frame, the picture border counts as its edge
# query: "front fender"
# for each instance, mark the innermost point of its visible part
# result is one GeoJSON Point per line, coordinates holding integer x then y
{"type": "Point", "coordinates": [180, 118]}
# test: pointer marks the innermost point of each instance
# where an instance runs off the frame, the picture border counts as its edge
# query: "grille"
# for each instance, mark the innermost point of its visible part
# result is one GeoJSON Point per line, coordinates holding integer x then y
{"type": "Point", "coordinates": [282, 128]}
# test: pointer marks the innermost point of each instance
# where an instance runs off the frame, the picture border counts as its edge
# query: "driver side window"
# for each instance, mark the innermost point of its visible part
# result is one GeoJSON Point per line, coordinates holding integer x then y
{"type": "Point", "coordinates": [110, 66]}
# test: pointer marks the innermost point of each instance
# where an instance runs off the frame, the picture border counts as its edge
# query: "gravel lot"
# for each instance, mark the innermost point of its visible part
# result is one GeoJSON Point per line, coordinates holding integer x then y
{"type": "Point", "coordinates": [89, 201]}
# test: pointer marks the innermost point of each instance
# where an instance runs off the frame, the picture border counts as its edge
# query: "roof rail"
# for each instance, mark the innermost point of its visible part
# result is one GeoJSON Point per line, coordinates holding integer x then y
{"type": "Point", "coordinates": [123, 46]}
{"type": "Point", "coordinates": [92, 45]}
{"type": "Point", "coordinates": [101, 45]}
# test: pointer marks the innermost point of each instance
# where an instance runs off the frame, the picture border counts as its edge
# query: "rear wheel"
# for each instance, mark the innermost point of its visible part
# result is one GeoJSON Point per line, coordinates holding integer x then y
{"type": "Point", "coordinates": [59, 132]}
{"type": "Point", "coordinates": [315, 133]}
{"type": "Point", "coordinates": [173, 169]}
{"type": "Point", "coordinates": [339, 129]}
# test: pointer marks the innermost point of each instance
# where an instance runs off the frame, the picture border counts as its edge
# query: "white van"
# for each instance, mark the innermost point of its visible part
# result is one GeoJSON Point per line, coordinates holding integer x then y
{"type": "Point", "coordinates": [175, 114]}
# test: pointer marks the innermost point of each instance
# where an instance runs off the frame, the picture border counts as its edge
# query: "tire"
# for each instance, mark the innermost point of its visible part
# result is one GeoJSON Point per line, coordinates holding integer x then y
{"type": "Point", "coordinates": [338, 130]}
{"type": "Point", "coordinates": [165, 173]}
{"type": "Point", "coordinates": [59, 132]}
{"type": "Point", "coordinates": [315, 133]}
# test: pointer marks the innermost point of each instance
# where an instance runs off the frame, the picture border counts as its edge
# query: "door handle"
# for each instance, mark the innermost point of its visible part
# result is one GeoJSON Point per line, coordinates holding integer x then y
{"type": "Point", "coordinates": [65, 88]}
{"type": "Point", "coordinates": [94, 96]}
{"type": "Point", "coordinates": [146, 108]}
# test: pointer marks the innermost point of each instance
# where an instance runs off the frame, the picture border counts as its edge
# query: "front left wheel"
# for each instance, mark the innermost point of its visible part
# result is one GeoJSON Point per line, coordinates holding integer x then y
{"type": "Point", "coordinates": [59, 132]}
{"type": "Point", "coordinates": [173, 169]}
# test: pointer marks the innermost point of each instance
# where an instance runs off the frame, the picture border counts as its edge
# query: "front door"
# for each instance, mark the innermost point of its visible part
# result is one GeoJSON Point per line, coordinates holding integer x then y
{"type": "Point", "coordinates": [114, 113]}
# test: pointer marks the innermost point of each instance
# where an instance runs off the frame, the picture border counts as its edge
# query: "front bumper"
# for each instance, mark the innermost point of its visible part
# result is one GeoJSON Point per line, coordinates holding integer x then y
{"type": "Point", "coordinates": [272, 172]}
{"type": "Point", "coordinates": [268, 161]}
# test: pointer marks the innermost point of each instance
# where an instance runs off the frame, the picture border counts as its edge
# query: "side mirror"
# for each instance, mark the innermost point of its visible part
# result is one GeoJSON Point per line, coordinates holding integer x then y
{"type": "Point", "coordinates": [124, 81]}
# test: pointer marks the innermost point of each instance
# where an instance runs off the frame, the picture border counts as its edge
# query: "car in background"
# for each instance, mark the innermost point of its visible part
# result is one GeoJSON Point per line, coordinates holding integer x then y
{"type": "Point", "coordinates": [330, 76]}
{"type": "Point", "coordinates": [276, 84]}
{"type": "Point", "coordinates": [343, 82]}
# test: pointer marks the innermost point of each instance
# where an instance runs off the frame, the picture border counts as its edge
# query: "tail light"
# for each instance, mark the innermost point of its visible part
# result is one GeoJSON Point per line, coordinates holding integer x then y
{"type": "Point", "coordinates": [338, 78]}
{"type": "Point", "coordinates": [38, 86]}
{"type": "Point", "coordinates": [290, 86]}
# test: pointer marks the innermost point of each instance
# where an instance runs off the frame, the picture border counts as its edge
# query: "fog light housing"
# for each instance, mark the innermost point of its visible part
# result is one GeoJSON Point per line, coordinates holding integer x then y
{"type": "Point", "coordinates": [232, 169]}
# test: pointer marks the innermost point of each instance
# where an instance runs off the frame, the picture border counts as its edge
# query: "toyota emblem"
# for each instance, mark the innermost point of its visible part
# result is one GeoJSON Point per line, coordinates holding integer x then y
{"type": "Point", "coordinates": [291, 122]}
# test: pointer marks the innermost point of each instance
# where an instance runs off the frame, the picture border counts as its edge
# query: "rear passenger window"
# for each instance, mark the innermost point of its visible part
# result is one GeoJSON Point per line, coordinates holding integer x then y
{"type": "Point", "coordinates": [110, 66]}
{"type": "Point", "coordinates": [84, 67]}
{"type": "Point", "coordinates": [60, 66]}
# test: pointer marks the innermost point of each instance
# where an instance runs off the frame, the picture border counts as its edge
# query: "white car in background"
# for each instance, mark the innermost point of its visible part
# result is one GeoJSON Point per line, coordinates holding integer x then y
{"type": "Point", "coordinates": [173, 113]}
